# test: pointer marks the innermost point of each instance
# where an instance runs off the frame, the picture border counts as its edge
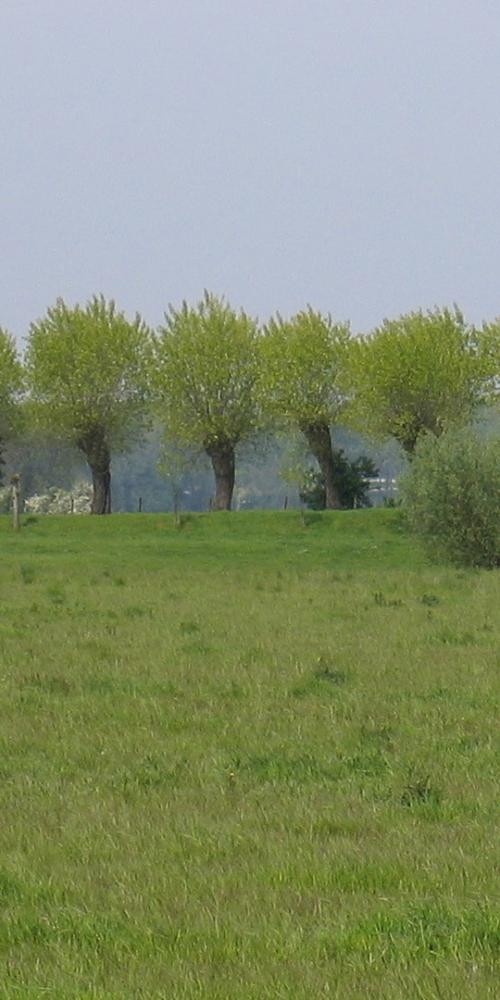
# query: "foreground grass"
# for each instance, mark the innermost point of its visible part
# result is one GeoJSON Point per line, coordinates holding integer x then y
{"type": "Point", "coordinates": [246, 759]}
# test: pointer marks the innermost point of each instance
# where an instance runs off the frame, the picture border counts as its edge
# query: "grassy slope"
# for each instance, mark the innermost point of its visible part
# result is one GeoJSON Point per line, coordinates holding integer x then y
{"type": "Point", "coordinates": [246, 759]}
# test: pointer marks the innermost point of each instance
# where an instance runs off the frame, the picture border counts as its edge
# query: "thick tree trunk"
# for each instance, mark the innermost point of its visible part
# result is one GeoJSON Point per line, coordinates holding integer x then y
{"type": "Point", "coordinates": [101, 491]}
{"type": "Point", "coordinates": [221, 454]}
{"type": "Point", "coordinates": [96, 450]}
{"type": "Point", "coordinates": [320, 442]}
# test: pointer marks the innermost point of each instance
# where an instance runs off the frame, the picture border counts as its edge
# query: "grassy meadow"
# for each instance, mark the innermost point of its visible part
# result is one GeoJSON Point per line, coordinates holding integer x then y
{"type": "Point", "coordinates": [246, 759]}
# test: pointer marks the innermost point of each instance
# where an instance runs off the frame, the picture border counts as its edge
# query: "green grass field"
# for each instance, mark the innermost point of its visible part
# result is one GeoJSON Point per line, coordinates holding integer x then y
{"type": "Point", "coordinates": [246, 759]}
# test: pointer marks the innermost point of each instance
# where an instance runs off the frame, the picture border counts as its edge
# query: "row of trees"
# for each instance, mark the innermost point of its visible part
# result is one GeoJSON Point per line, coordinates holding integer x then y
{"type": "Point", "coordinates": [94, 378]}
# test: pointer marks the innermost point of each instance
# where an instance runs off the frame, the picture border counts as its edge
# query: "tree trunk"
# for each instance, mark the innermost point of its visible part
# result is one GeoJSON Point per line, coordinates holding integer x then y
{"type": "Point", "coordinates": [96, 451]}
{"type": "Point", "coordinates": [320, 442]}
{"type": "Point", "coordinates": [221, 454]}
{"type": "Point", "coordinates": [101, 490]}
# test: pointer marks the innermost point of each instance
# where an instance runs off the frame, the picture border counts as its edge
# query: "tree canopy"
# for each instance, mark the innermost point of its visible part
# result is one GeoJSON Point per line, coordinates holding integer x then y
{"type": "Point", "coordinates": [303, 360]}
{"type": "Point", "coordinates": [302, 381]}
{"type": "Point", "coordinates": [421, 372]}
{"type": "Point", "coordinates": [88, 371]}
{"type": "Point", "coordinates": [205, 374]}
{"type": "Point", "coordinates": [489, 348]}
{"type": "Point", "coordinates": [11, 380]}
{"type": "Point", "coordinates": [94, 378]}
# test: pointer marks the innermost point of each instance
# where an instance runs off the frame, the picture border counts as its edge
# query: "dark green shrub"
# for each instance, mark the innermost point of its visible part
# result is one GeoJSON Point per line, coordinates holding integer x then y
{"type": "Point", "coordinates": [351, 480]}
{"type": "Point", "coordinates": [451, 496]}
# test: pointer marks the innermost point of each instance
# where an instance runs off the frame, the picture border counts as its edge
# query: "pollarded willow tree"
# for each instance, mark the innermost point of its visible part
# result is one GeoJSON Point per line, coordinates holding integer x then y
{"type": "Point", "coordinates": [302, 382]}
{"type": "Point", "coordinates": [11, 380]}
{"type": "Point", "coordinates": [88, 372]}
{"type": "Point", "coordinates": [421, 373]}
{"type": "Point", "coordinates": [205, 374]}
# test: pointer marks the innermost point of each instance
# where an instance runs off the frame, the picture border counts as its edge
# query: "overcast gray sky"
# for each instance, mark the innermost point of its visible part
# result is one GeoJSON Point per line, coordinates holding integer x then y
{"type": "Point", "coordinates": [344, 153]}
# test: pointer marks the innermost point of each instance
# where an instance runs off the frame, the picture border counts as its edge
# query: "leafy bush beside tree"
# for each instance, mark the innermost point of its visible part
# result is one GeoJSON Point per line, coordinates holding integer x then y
{"type": "Point", "coordinates": [351, 481]}
{"type": "Point", "coordinates": [451, 496]}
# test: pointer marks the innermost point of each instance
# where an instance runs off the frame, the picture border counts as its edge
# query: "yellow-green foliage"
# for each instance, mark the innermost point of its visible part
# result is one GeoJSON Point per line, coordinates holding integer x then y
{"type": "Point", "coordinates": [89, 367]}
{"type": "Point", "coordinates": [303, 362]}
{"type": "Point", "coordinates": [489, 342]}
{"type": "Point", "coordinates": [421, 372]}
{"type": "Point", "coordinates": [10, 382]}
{"type": "Point", "coordinates": [205, 373]}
